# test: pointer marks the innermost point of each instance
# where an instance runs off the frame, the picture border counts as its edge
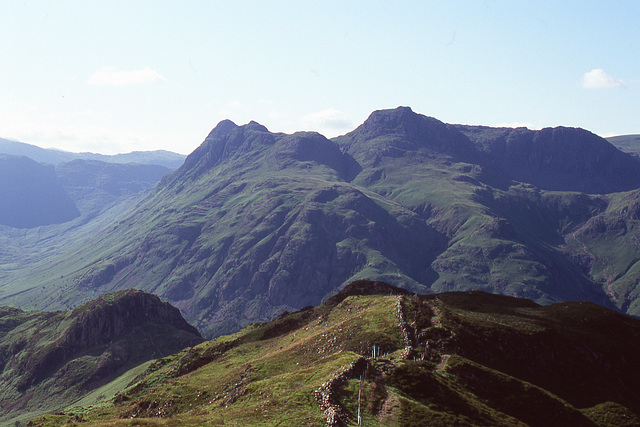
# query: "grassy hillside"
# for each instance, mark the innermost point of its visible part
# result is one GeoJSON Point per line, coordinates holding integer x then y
{"type": "Point", "coordinates": [52, 359]}
{"type": "Point", "coordinates": [459, 358]}
{"type": "Point", "coordinates": [627, 143]}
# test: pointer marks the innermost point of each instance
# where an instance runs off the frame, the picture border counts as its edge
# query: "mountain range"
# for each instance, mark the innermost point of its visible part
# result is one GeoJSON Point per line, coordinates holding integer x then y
{"type": "Point", "coordinates": [484, 235]}
{"type": "Point", "coordinates": [53, 156]}
{"type": "Point", "coordinates": [255, 223]}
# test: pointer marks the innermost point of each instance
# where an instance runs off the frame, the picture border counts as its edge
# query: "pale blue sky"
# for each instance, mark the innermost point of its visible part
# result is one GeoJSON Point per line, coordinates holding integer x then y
{"type": "Point", "coordinates": [117, 76]}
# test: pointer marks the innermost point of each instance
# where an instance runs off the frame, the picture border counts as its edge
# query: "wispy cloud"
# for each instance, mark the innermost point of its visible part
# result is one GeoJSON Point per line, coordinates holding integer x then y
{"type": "Point", "coordinates": [330, 122]}
{"type": "Point", "coordinates": [599, 79]}
{"type": "Point", "coordinates": [110, 76]}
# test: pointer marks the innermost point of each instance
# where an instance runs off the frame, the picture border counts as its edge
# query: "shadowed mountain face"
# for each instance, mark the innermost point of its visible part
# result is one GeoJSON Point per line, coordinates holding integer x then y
{"type": "Point", "coordinates": [562, 159]}
{"type": "Point", "coordinates": [34, 194]}
{"type": "Point", "coordinates": [456, 358]}
{"type": "Point", "coordinates": [51, 359]}
{"type": "Point", "coordinates": [256, 222]}
{"type": "Point", "coordinates": [30, 194]}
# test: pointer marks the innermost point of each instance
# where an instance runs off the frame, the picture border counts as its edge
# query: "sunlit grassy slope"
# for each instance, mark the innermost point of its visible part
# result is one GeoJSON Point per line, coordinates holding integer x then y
{"type": "Point", "coordinates": [461, 358]}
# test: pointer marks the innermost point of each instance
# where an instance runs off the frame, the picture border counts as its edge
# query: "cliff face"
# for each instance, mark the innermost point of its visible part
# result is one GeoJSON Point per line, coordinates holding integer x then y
{"type": "Point", "coordinates": [67, 354]}
{"type": "Point", "coordinates": [560, 158]}
{"type": "Point", "coordinates": [113, 315]}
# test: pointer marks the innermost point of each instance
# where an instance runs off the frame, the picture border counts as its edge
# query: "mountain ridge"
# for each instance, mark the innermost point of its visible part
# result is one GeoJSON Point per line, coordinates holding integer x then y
{"type": "Point", "coordinates": [385, 356]}
{"type": "Point", "coordinates": [255, 223]}
{"type": "Point", "coordinates": [54, 156]}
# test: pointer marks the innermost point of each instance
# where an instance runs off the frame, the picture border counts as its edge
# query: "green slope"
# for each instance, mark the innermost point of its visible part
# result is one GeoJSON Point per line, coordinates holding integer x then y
{"type": "Point", "coordinates": [51, 359]}
{"type": "Point", "coordinates": [627, 143]}
{"type": "Point", "coordinates": [460, 358]}
{"type": "Point", "coordinates": [256, 222]}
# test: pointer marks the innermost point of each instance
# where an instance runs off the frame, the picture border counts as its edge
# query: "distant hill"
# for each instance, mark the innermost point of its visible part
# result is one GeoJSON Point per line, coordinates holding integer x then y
{"type": "Point", "coordinates": [34, 194]}
{"type": "Point", "coordinates": [255, 223]}
{"type": "Point", "coordinates": [374, 352]}
{"type": "Point", "coordinates": [50, 360]}
{"type": "Point", "coordinates": [43, 155]}
{"type": "Point", "coordinates": [94, 185]}
{"type": "Point", "coordinates": [30, 194]}
{"type": "Point", "coordinates": [627, 143]}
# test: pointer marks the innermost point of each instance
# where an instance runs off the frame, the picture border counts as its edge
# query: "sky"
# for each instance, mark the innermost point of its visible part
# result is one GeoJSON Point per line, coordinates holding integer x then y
{"type": "Point", "coordinates": [119, 76]}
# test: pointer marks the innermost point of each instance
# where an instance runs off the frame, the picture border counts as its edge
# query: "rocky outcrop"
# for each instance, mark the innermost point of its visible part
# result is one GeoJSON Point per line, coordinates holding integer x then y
{"type": "Point", "coordinates": [560, 158]}
{"type": "Point", "coordinates": [68, 353]}
{"type": "Point", "coordinates": [115, 314]}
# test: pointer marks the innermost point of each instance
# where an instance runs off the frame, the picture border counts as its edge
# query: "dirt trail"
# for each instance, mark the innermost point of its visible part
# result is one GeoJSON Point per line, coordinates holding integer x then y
{"type": "Point", "coordinates": [443, 362]}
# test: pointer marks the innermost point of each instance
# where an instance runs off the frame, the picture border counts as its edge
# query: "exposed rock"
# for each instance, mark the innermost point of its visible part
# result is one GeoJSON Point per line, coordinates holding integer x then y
{"type": "Point", "coordinates": [70, 353]}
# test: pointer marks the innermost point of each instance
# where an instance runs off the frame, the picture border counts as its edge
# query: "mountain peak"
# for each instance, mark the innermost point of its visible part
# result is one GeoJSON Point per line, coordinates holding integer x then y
{"type": "Point", "coordinates": [51, 359]}
{"type": "Point", "coordinates": [226, 140]}
{"type": "Point", "coordinates": [400, 120]}
{"type": "Point", "coordinates": [222, 129]}
{"type": "Point", "coordinates": [252, 125]}
{"type": "Point", "coordinates": [404, 122]}
{"type": "Point", "coordinates": [115, 313]}
{"type": "Point", "coordinates": [401, 132]}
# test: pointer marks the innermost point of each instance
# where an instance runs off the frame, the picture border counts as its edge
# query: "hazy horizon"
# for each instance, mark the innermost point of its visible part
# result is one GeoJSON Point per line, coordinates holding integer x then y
{"type": "Point", "coordinates": [113, 77]}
